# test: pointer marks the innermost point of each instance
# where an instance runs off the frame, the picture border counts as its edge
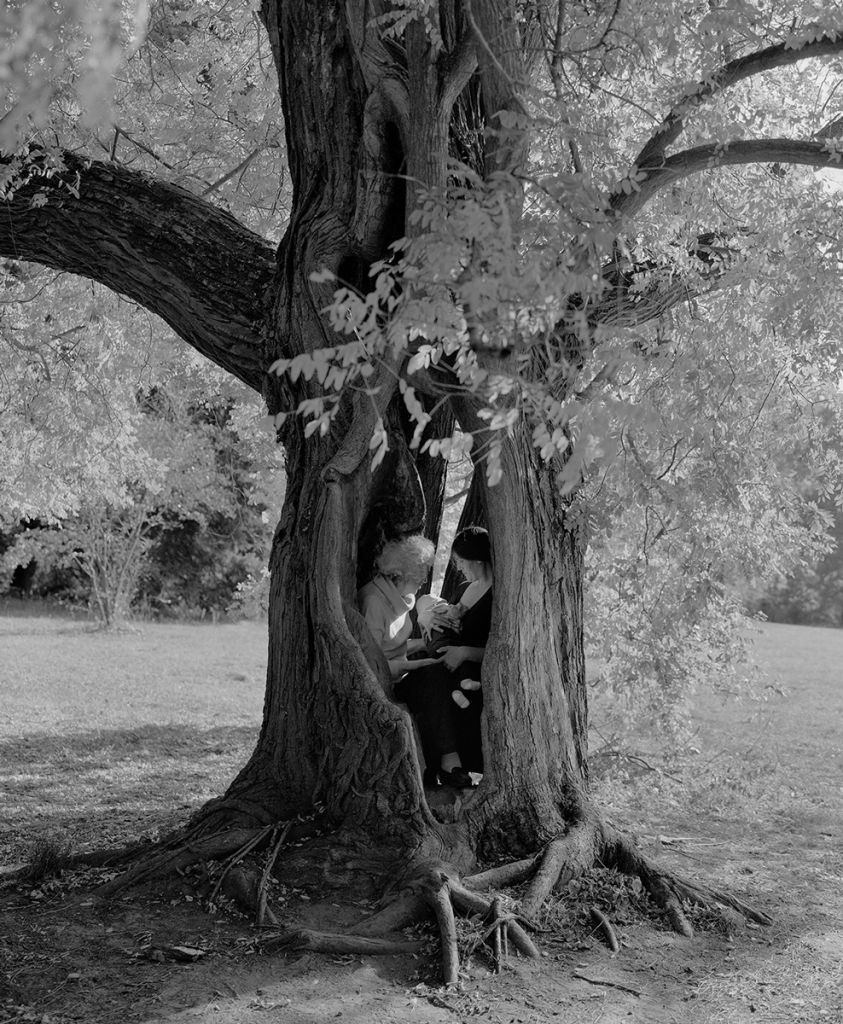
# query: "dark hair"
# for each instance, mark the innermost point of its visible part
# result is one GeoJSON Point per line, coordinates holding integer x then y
{"type": "Point", "coordinates": [473, 545]}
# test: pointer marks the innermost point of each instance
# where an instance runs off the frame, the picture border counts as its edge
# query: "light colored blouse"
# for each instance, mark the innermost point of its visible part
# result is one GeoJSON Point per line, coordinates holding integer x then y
{"type": "Point", "coordinates": [387, 614]}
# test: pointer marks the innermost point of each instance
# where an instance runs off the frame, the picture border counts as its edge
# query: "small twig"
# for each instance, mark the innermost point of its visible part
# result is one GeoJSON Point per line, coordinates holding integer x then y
{"type": "Point", "coordinates": [230, 174]}
{"type": "Point", "coordinates": [609, 984]}
{"type": "Point", "coordinates": [141, 146]}
{"type": "Point", "coordinates": [238, 855]}
{"type": "Point", "coordinates": [497, 944]}
{"type": "Point", "coordinates": [693, 840]}
{"type": "Point", "coordinates": [639, 760]}
{"type": "Point", "coordinates": [267, 871]}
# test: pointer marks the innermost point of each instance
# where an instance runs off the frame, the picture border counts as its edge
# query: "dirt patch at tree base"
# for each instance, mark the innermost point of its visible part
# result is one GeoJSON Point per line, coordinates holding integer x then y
{"type": "Point", "coordinates": [69, 956]}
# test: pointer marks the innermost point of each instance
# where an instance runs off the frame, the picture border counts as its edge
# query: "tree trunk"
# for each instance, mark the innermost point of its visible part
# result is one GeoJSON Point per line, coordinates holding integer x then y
{"type": "Point", "coordinates": [330, 734]}
{"type": "Point", "coordinates": [535, 708]}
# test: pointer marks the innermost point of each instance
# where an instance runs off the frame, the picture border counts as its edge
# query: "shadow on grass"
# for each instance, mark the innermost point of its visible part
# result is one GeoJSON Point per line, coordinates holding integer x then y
{"type": "Point", "coordinates": [106, 748]}
{"type": "Point", "coordinates": [107, 787]}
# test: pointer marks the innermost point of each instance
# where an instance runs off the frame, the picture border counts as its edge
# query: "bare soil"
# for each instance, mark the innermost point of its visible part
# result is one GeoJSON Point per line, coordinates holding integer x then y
{"type": "Point", "coordinates": [106, 737]}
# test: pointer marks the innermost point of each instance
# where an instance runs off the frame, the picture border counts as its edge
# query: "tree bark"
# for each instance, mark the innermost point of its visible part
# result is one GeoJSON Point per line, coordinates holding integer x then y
{"type": "Point", "coordinates": [330, 735]}
{"type": "Point", "coordinates": [177, 255]}
{"type": "Point", "coordinates": [533, 673]}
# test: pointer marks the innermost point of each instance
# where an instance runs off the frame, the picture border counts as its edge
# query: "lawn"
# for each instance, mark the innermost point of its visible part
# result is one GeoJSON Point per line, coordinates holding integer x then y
{"type": "Point", "coordinates": [105, 735]}
{"type": "Point", "coordinates": [109, 736]}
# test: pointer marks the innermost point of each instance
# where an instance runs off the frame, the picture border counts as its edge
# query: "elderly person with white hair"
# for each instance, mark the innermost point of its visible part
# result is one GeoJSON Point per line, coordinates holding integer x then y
{"type": "Point", "coordinates": [387, 600]}
{"type": "Point", "coordinates": [444, 698]}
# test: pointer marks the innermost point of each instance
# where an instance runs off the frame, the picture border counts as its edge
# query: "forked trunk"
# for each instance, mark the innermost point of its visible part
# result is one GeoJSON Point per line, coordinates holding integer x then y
{"type": "Point", "coordinates": [330, 733]}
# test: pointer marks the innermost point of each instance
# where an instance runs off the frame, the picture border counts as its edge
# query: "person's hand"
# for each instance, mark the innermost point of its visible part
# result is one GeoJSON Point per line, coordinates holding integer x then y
{"type": "Point", "coordinates": [445, 618]}
{"type": "Point", "coordinates": [452, 657]}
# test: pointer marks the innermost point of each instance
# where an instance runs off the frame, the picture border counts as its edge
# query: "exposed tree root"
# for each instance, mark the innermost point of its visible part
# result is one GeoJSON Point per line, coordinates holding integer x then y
{"type": "Point", "coordinates": [435, 891]}
{"type": "Point", "coordinates": [258, 837]}
{"type": "Point", "coordinates": [242, 885]}
{"type": "Point", "coordinates": [229, 811]}
{"type": "Point", "coordinates": [668, 889]}
{"type": "Point", "coordinates": [604, 924]}
{"type": "Point", "coordinates": [500, 945]}
{"type": "Point", "coordinates": [563, 859]}
{"type": "Point", "coordinates": [195, 845]}
{"type": "Point", "coordinates": [502, 876]}
{"type": "Point", "coordinates": [433, 888]}
{"type": "Point", "coordinates": [405, 910]}
{"type": "Point", "coordinates": [328, 942]}
{"type": "Point", "coordinates": [182, 853]}
{"type": "Point", "coordinates": [495, 932]}
{"type": "Point", "coordinates": [591, 843]}
{"type": "Point", "coordinates": [247, 891]}
{"type": "Point", "coordinates": [472, 903]}
{"type": "Point", "coordinates": [545, 877]}
{"type": "Point", "coordinates": [109, 858]}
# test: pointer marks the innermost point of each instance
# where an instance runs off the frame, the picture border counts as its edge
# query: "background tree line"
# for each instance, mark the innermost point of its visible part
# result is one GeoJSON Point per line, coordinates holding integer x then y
{"type": "Point", "coordinates": [132, 486]}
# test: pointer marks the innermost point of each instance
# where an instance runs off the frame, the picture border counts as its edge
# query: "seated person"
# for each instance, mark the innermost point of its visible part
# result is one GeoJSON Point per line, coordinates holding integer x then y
{"type": "Point", "coordinates": [387, 599]}
{"type": "Point", "coordinates": [445, 698]}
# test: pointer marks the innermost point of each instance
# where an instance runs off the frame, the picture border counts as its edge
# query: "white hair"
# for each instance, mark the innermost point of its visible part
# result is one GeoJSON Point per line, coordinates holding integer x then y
{"type": "Point", "coordinates": [410, 556]}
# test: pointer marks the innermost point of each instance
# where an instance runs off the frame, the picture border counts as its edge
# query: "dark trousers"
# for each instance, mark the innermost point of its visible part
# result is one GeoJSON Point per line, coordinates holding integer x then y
{"type": "Point", "coordinates": [444, 728]}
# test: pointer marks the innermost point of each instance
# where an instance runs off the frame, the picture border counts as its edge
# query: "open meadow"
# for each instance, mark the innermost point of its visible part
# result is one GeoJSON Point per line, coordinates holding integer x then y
{"type": "Point", "coordinates": [110, 737]}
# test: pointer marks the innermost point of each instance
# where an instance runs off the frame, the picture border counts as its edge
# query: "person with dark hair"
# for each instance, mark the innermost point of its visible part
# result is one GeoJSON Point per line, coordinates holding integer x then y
{"type": "Point", "coordinates": [445, 699]}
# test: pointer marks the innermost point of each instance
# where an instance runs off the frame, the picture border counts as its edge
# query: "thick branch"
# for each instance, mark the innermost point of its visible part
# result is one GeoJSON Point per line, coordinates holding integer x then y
{"type": "Point", "coordinates": [456, 68]}
{"type": "Point", "coordinates": [639, 292]}
{"type": "Point", "coordinates": [718, 154]}
{"type": "Point", "coordinates": [190, 263]}
{"type": "Point", "coordinates": [652, 155]}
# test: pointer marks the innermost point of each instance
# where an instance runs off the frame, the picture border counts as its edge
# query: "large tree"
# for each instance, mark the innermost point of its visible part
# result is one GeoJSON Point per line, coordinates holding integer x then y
{"type": "Point", "coordinates": [419, 141]}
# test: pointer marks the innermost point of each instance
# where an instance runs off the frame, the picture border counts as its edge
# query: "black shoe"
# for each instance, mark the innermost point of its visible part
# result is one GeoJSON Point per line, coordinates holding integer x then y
{"type": "Point", "coordinates": [430, 779]}
{"type": "Point", "coordinates": [458, 778]}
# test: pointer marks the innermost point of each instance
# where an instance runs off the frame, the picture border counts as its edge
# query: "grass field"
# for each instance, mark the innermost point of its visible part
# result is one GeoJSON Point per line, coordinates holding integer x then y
{"type": "Point", "coordinates": [108, 734]}
{"type": "Point", "coordinates": [105, 737]}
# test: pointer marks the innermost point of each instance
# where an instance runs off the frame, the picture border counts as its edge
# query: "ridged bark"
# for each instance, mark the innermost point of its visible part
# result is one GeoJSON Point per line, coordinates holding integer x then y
{"type": "Point", "coordinates": [330, 735]}
{"type": "Point", "coordinates": [180, 257]}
